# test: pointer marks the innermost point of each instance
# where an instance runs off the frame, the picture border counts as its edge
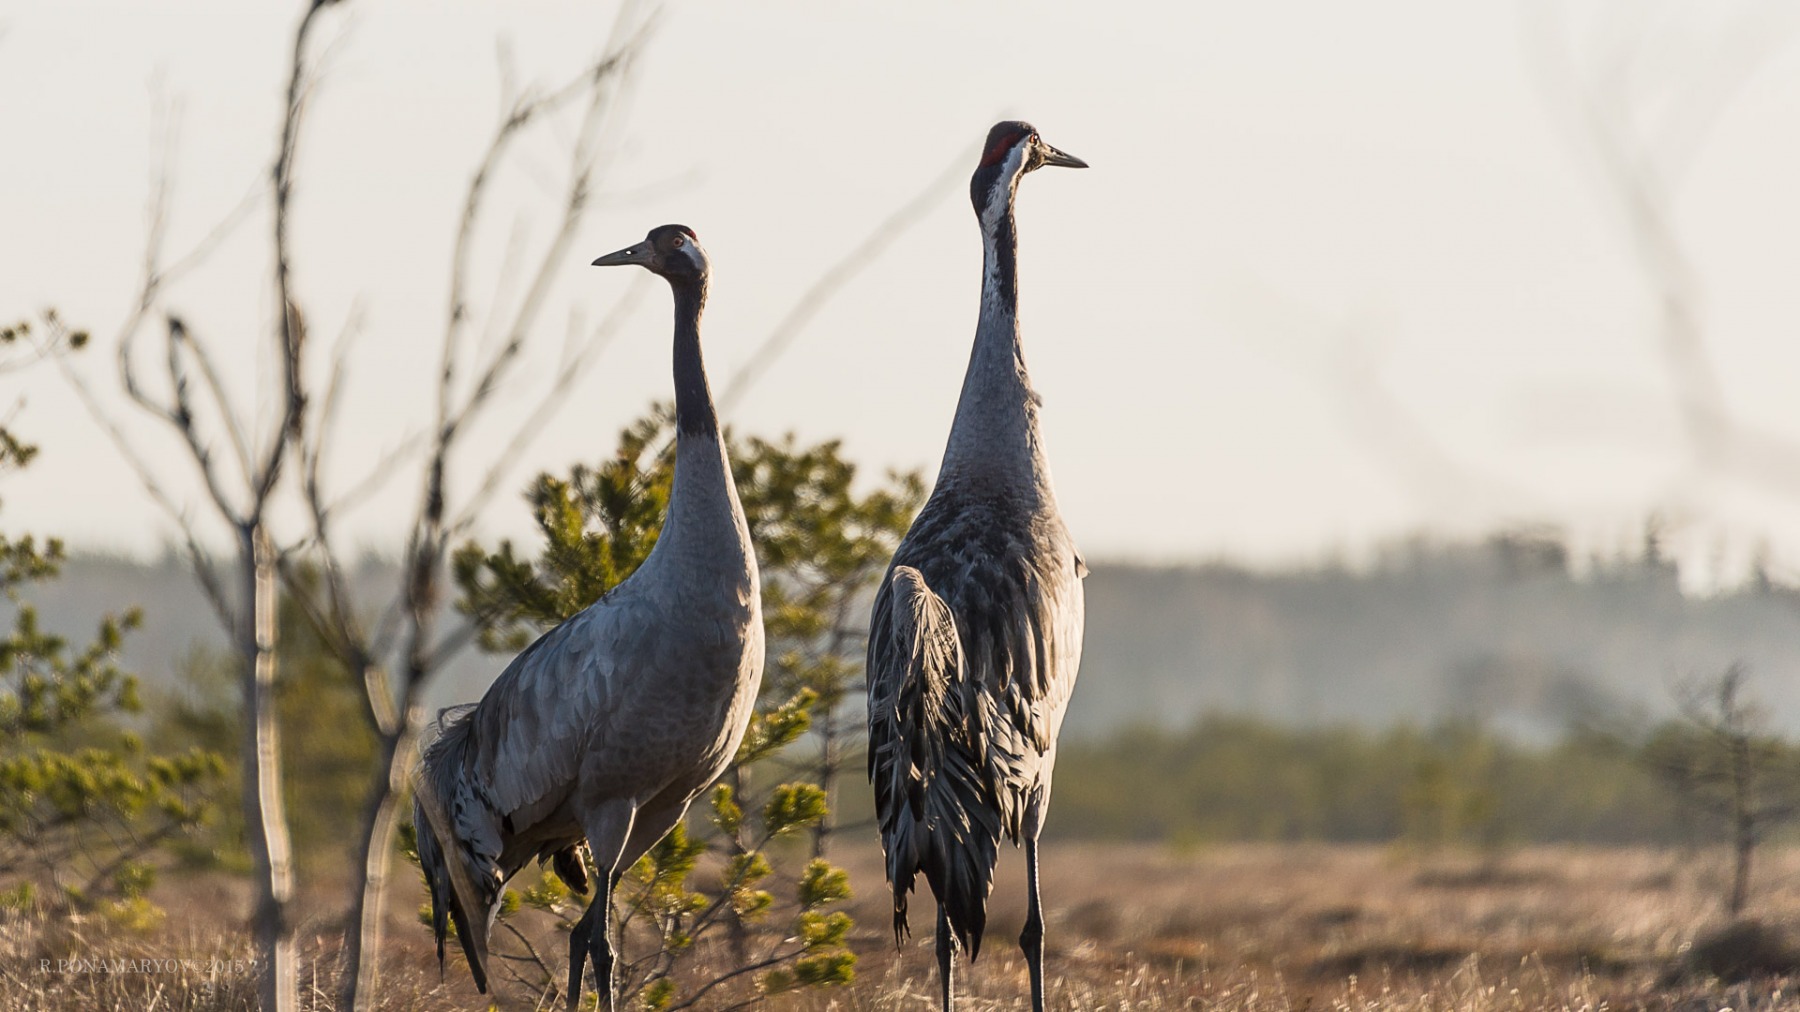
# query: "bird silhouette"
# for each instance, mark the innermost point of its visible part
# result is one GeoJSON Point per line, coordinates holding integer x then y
{"type": "Point", "coordinates": [607, 727]}
{"type": "Point", "coordinates": [976, 632]}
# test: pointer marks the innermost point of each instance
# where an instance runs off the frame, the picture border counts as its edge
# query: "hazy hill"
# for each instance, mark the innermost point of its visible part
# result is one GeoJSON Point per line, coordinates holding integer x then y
{"type": "Point", "coordinates": [1503, 629]}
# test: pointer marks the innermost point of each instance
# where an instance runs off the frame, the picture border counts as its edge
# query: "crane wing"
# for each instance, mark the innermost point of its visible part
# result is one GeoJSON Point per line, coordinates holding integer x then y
{"type": "Point", "coordinates": [1015, 590]}
{"type": "Point", "coordinates": [504, 763]}
{"type": "Point", "coordinates": [932, 795]}
{"type": "Point", "coordinates": [1021, 626]}
{"type": "Point", "coordinates": [973, 651]}
{"type": "Point", "coordinates": [531, 729]}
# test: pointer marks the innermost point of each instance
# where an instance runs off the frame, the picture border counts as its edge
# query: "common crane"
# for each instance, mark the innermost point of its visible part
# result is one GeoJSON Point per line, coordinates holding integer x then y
{"type": "Point", "coordinates": [608, 726]}
{"type": "Point", "coordinates": [976, 632]}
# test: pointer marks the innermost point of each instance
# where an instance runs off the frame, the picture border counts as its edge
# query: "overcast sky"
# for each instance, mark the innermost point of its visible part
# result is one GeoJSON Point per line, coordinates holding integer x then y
{"type": "Point", "coordinates": [1339, 272]}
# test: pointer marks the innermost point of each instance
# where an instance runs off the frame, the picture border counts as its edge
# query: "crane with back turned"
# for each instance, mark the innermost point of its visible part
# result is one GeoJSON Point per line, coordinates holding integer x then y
{"type": "Point", "coordinates": [976, 632]}
{"type": "Point", "coordinates": [607, 727]}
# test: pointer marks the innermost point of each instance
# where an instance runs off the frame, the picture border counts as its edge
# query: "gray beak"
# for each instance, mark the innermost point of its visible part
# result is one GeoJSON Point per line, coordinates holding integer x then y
{"type": "Point", "coordinates": [1054, 157]}
{"type": "Point", "coordinates": [640, 254]}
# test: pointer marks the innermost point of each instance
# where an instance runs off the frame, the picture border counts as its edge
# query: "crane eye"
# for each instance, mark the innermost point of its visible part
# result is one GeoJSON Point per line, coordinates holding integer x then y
{"type": "Point", "coordinates": [678, 242]}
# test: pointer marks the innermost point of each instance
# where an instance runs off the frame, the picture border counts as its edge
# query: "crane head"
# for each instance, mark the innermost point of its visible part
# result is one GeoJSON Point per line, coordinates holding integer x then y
{"type": "Point", "coordinates": [672, 251]}
{"type": "Point", "coordinates": [1013, 148]}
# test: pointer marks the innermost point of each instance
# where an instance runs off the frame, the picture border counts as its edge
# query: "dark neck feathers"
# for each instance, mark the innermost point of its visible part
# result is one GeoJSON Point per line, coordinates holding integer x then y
{"type": "Point", "coordinates": [991, 190]}
{"type": "Point", "coordinates": [1003, 252]}
{"type": "Point", "coordinates": [694, 414]}
{"type": "Point", "coordinates": [994, 436]}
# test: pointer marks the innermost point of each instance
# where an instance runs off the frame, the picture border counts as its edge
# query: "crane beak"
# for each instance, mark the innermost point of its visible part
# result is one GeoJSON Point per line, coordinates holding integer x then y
{"type": "Point", "coordinates": [640, 254]}
{"type": "Point", "coordinates": [1052, 156]}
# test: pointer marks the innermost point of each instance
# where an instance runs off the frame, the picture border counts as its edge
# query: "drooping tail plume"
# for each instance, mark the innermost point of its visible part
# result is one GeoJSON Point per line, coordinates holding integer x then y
{"type": "Point", "coordinates": [454, 892]}
{"type": "Point", "coordinates": [927, 743]}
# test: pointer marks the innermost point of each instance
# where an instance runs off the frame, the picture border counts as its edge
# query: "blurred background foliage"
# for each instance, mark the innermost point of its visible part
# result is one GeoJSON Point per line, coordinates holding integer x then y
{"type": "Point", "coordinates": [86, 807]}
{"type": "Point", "coordinates": [1456, 783]}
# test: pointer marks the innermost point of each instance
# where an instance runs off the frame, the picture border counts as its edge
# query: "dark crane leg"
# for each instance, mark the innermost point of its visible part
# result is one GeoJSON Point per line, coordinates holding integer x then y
{"type": "Point", "coordinates": [592, 940]}
{"type": "Point", "coordinates": [946, 954]}
{"type": "Point", "coordinates": [592, 937]}
{"type": "Point", "coordinates": [578, 944]}
{"type": "Point", "coordinates": [1032, 938]}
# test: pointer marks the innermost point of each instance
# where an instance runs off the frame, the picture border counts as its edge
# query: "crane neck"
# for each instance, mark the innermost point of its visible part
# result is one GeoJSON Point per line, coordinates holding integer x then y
{"type": "Point", "coordinates": [705, 523]}
{"type": "Point", "coordinates": [995, 434]}
{"type": "Point", "coordinates": [694, 413]}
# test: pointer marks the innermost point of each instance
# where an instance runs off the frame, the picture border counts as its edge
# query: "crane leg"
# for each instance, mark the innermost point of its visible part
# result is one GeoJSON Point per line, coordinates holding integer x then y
{"type": "Point", "coordinates": [1032, 938]}
{"type": "Point", "coordinates": [607, 833]}
{"type": "Point", "coordinates": [946, 957]}
{"type": "Point", "coordinates": [578, 947]}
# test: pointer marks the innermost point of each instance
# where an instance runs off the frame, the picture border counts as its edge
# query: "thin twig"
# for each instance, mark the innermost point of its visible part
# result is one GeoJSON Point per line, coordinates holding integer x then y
{"type": "Point", "coordinates": [234, 428]}
{"type": "Point", "coordinates": [842, 273]}
{"type": "Point", "coordinates": [204, 571]}
{"type": "Point", "coordinates": [185, 423]}
{"type": "Point", "coordinates": [572, 370]}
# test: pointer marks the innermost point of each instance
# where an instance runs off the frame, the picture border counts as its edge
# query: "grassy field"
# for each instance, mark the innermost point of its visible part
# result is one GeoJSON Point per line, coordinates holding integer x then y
{"type": "Point", "coordinates": [1130, 928]}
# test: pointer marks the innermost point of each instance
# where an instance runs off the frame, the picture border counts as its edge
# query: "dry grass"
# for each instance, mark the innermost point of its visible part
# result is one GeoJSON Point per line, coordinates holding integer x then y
{"type": "Point", "coordinates": [1136, 928]}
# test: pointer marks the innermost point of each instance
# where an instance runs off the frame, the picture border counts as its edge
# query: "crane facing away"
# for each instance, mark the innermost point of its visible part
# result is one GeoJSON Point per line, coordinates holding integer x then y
{"type": "Point", "coordinates": [607, 727]}
{"type": "Point", "coordinates": [976, 633]}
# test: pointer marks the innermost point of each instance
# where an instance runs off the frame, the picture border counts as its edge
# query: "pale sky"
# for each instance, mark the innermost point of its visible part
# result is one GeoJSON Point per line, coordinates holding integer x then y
{"type": "Point", "coordinates": [1339, 272]}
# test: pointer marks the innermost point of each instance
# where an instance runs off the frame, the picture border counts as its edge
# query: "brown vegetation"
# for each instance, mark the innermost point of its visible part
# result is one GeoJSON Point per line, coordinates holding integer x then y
{"type": "Point", "coordinates": [1132, 927]}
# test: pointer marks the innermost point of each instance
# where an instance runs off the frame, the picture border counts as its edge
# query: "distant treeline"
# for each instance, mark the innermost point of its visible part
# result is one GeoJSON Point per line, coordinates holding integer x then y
{"type": "Point", "coordinates": [1512, 630]}
{"type": "Point", "coordinates": [1509, 628]}
{"type": "Point", "coordinates": [1455, 783]}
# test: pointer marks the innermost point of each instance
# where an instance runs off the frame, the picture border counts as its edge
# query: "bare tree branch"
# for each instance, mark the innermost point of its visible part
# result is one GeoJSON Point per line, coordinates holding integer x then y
{"type": "Point", "coordinates": [583, 164]}
{"type": "Point", "coordinates": [205, 571]}
{"type": "Point", "coordinates": [842, 273]}
{"type": "Point", "coordinates": [574, 368]}
{"type": "Point", "coordinates": [155, 277]}
{"type": "Point", "coordinates": [525, 110]}
{"type": "Point", "coordinates": [234, 429]}
{"type": "Point", "coordinates": [291, 323]}
{"type": "Point", "coordinates": [186, 423]}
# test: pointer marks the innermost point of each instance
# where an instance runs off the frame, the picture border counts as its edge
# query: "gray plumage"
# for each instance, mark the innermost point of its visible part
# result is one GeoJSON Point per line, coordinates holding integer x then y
{"type": "Point", "coordinates": [975, 636]}
{"type": "Point", "coordinates": [607, 727]}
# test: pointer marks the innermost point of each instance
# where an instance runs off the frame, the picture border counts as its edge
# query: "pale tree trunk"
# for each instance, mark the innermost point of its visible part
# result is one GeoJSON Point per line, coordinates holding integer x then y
{"type": "Point", "coordinates": [265, 816]}
{"type": "Point", "coordinates": [397, 730]}
{"type": "Point", "coordinates": [363, 934]}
